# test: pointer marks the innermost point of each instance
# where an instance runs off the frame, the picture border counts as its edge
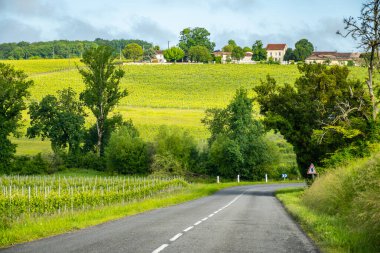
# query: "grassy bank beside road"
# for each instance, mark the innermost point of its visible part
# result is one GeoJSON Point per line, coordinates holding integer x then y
{"type": "Point", "coordinates": [341, 210]}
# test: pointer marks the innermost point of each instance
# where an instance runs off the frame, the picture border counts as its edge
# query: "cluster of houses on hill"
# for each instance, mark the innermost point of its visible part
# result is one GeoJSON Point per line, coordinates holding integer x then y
{"type": "Point", "coordinates": [276, 52]}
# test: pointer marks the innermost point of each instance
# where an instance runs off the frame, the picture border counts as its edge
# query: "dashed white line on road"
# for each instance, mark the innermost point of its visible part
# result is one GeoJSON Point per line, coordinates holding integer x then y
{"type": "Point", "coordinates": [163, 246]}
{"type": "Point", "coordinates": [188, 229]}
{"type": "Point", "coordinates": [175, 237]}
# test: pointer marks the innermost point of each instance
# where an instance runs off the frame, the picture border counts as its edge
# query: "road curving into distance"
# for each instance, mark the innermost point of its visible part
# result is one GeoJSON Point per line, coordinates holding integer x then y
{"type": "Point", "coordinates": [238, 219]}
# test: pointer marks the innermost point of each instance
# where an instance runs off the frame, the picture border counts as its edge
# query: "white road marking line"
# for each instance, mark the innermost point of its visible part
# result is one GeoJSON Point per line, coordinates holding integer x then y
{"type": "Point", "coordinates": [163, 246]}
{"type": "Point", "coordinates": [187, 229]}
{"type": "Point", "coordinates": [175, 237]}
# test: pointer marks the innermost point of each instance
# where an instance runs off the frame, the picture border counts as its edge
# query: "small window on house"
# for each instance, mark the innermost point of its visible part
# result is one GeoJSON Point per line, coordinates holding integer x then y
{"type": "Point", "coordinates": [279, 53]}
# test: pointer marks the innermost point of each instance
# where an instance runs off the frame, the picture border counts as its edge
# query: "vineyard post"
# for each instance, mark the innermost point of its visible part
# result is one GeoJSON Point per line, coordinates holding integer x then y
{"type": "Point", "coordinates": [29, 199]}
{"type": "Point", "coordinates": [10, 200]}
{"type": "Point", "coordinates": [71, 198]}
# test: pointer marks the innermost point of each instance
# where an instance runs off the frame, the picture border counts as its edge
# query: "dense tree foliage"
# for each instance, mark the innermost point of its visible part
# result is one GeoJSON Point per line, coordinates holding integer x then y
{"type": "Point", "coordinates": [303, 49]}
{"type": "Point", "coordinates": [61, 48]}
{"type": "Point", "coordinates": [102, 92]}
{"type": "Point", "coordinates": [133, 51]}
{"type": "Point", "coordinates": [126, 152]}
{"type": "Point", "coordinates": [59, 119]}
{"type": "Point", "coordinates": [199, 54]}
{"type": "Point", "coordinates": [174, 146]}
{"type": "Point", "coordinates": [323, 112]}
{"type": "Point", "coordinates": [236, 143]}
{"type": "Point", "coordinates": [247, 49]}
{"type": "Point", "coordinates": [174, 54]}
{"type": "Point", "coordinates": [198, 36]}
{"type": "Point", "coordinates": [237, 53]}
{"type": "Point", "coordinates": [259, 52]}
{"type": "Point", "coordinates": [149, 54]}
{"type": "Point", "coordinates": [289, 55]}
{"type": "Point", "coordinates": [13, 91]}
{"type": "Point", "coordinates": [230, 46]}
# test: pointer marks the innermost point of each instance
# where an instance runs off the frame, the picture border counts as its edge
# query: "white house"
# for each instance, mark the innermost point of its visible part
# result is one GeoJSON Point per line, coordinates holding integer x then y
{"type": "Point", "coordinates": [276, 51]}
{"type": "Point", "coordinates": [247, 58]}
{"type": "Point", "coordinates": [160, 56]}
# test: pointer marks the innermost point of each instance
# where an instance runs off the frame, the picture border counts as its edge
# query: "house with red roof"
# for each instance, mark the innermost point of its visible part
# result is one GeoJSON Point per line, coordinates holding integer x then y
{"type": "Point", "coordinates": [276, 52]}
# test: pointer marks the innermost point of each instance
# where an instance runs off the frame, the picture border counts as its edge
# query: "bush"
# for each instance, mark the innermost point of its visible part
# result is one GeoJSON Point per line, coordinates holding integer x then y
{"type": "Point", "coordinates": [177, 143]}
{"type": "Point", "coordinates": [127, 153]}
{"type": "Point", "coordinates": [218, 59]}
{"type": "Point", "coordinates": [167, 165]}
{"type": "Point", "coordinates": [25, 165]}
{"type": "Point", "coordinates": [92, 161]}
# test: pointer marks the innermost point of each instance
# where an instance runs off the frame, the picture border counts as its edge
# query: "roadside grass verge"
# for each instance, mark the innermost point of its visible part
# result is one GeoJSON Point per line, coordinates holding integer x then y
{"type": "Point", "coordinates": [29, 229]}
{"type": "Point", "coordinates": [328, 232]}
{"type": "Point", "coordinates": [341, 210]}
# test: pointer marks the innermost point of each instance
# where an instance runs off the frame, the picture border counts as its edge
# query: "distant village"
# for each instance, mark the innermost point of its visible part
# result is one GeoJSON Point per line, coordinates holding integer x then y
{"type": "Point", "coordinates": [276, 52]}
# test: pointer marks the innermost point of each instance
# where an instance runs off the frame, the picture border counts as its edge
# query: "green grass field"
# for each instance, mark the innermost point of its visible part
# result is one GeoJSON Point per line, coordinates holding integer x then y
{"type": "Point", "coordinates": [175, 94]}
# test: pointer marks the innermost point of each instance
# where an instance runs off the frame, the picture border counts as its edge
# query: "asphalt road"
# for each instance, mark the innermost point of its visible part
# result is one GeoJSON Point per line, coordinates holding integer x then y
{"type": "Point", "coordinates": [239, 219]}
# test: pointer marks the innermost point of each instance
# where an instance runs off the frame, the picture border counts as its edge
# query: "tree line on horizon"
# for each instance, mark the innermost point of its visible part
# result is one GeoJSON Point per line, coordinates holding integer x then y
{"type": "Point", "coordinates": [194, 45]}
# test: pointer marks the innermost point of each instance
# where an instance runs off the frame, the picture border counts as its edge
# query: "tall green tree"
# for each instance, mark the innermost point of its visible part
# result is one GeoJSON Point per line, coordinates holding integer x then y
{"type": "Point", "coordinates": [59, 119]}
{"type": "Point", "coordinates": [237, 53]}
{"type": "Point", "coordinates": [102, 86]}
{"type": "Point", "coordinates": [259, 52]}
{"type": "Point", "coordinates": [174, 54]}
{"type": "Point", "coordinates": [133, 51]}
{"type": "Point", "coordinates": [198, 36]}
{"type": "Point", "coordinates": [247, 49]}
{"type": "Point", "coordinates": [230, 46]}
{"type": "Point", "coordinates": [321, 113]}
{"type": "Point", "coordinates": [13, 91]}
{"type": "Point", "coordinates": [303, 49]}
{"type": "Point", "coordinates": [199, 54]}
{"type": "Point", "coordinates": [236, 143]}
{"type": "Point", "coordinates": [289, 55]}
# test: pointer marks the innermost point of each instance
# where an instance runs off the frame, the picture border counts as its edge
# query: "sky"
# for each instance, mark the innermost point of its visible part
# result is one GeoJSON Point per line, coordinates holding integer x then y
{"type": "Point", "coordinates": [160, 21]}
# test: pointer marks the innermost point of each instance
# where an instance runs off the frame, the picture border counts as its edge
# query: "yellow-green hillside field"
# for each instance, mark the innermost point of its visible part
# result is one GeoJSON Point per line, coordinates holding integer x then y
{"type": "Point", "coordinates": [173, 94]}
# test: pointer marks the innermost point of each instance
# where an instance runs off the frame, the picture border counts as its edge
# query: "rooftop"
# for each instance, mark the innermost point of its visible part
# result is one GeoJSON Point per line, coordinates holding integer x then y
{"type": "Point", "coordinates": [276, 46]}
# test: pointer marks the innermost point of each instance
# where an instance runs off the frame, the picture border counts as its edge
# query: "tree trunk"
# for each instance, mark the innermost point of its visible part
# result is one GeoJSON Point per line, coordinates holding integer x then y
{"type": "Point", "coordinates": [370, 83]}
{"type": "Point", "coordinates": [100, 129]}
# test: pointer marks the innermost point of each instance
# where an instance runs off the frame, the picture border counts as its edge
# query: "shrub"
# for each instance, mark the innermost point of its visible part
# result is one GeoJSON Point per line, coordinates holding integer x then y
{"type": "Point", "coordinates": [179, 144]}
{"type": "Point", "coordinates": [25, 165]}
{"type": "Point", "coordinates": [167, 165]}
{"type": "Point", "coordinates": [126, 152]}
